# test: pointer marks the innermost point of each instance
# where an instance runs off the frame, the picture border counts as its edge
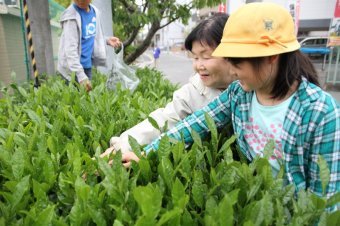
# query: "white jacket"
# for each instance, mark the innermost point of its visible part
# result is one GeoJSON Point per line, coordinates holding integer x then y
{"type": "Point", "coordinates": [70, 44]}
{"type": "Point", "coordinates": [189, 98]}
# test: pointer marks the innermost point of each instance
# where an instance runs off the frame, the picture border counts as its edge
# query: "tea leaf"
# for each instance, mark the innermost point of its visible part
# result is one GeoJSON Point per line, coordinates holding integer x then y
{"type": "Point", "coordinates": [149, 199]}
{"type": "Point", "coordinates": [324, 172]}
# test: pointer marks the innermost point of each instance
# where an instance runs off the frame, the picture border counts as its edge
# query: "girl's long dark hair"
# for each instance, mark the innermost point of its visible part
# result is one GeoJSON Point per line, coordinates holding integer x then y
{"type": "Point", "coordinates": [292, 67]}
{"type": "Point", "coordinates": [208, 31]}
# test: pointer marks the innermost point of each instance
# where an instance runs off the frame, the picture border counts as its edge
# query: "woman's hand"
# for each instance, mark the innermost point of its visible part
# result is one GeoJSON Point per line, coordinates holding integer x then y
{"type": "Point", "coordinates": [107, 152]}
{"type": "Point", "coordinates": [120, 144]}
{"type": "Point", "coordinates": [127, 157]}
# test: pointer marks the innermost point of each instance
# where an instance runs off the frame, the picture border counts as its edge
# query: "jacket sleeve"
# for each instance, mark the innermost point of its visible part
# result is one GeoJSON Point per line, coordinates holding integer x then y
{"type": "Point", "coordinates": [326, 143]}
{"type": "Point", "coordinates": [218, 109]}
{"type": "Point", "coordinates": [173, 112]}
{"type": "Point", "coordinates": [71, 36]}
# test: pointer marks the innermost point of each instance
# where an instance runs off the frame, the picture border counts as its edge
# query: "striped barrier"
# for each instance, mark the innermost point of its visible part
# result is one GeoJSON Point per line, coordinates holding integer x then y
{"type": "Point", "coordinates": [30, 44]}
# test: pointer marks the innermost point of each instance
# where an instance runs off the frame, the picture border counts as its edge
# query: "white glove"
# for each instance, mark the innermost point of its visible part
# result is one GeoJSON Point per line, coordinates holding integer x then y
{"type": "Point", "coordinates": [119, 144]}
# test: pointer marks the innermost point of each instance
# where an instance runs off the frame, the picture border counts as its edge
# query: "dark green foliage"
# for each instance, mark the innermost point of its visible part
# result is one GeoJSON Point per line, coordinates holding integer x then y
{"type": "Point", "coordinates": [48, 137]}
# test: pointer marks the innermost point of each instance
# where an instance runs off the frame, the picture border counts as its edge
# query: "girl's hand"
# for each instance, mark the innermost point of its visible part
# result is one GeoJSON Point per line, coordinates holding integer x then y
{"type": "Point", "coordinates": [127, 157]}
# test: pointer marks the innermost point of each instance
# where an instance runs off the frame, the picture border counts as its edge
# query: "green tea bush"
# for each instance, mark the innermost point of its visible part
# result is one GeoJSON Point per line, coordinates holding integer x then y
{"type": "Point", "coordinates": [49, 135]}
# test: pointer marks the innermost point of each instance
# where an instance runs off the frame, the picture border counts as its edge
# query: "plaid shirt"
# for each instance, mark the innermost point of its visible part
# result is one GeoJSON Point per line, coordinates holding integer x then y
{"type": "Point", "coordinates": [311, 128]}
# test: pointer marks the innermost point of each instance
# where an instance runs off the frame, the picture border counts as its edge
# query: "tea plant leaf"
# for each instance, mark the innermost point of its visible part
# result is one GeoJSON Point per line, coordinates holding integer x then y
{"type": "Point", "coordinates": [196, 137]}
{"type": "Point", "coordinates": [78, 216]}
{"type": "Point", "coordinates": [210, 206]}
{"type": "Point", "coordinates": [107, 170]}
{"type": "Point", "coordinates": [179, 198]}
{"type": "Point", "coordinates": [167, 216]}
{"type": "Point", "coordinates": [318, 202]}
{"type": "Point", "coordinates": [209, 154]}
{"type": "Point", "coordinates": [145, 221]}
{"type": "Point", "coordinates": [20, 189]}
{"type": "Point", "coordinates": [334, 218]}
{"type": "Point", "coordinates": [249, 223]}
{"type": "Point", "coordinates": [199, 189]}
{"type": "Point", "coordinates": [39, 190]}
{"type": "Point", "coordinates": [33, 116]}
{"type": "Point", "coordinates": [226, 145]}
{"type": "Point", "coordinates": [187, 219]}
{"type": "Point", "coordinates": [18, 164]}
{"type": "Point", "coordinates": [324, 173]}
{"type": "Point", "coordinates": [66, 192]}
{"type": "Point", "coordinates": [164, 147]}
{"type": "Point", "coordinates": [20, 139]}
{"type": "Point", "coordinates": [225, 208]}
{"type": "Point", "coordinates": [323, 219]}
{"type": "Point", "coordinates": [254, 188]}
{"type": "Point", "coordinates": [263, 211]}
{"type": "Point", "coordinates": [149, 199]}
{"type": "Point", "coordinates": [145, 169]}
{"type": "Point", "coordinates": [117, 223]}
{"type": "Point", "coordinates": [45, 217]}
{"type": "Point", "coordinates": [226, 149]}
{"type": "Point", "coordinates": [213, 130]}
{"type": "Point", "coordinates": [97, 216]}
{"type": "Point", "coordinates": [9, 144]}
{"type": "Point", "coordinates": [333, 200]}
{"type": "Point", "coordinates": [82, 190]}
{"type": "Point", "coordinates": [288, 194]}
{"type": "Point", "coordinates": [154, 123]}
{"type": "Point", "coordinates": [303, 202]}
{"type": "Point", "coordinates": [23, 92]}
{"type": "Point", "coordinates": [135, 146]}
{"type": "Point", "coordinates": [177, 152]}
{"type": "Point", "coordinates": [51, 145]}
{"type": "Point", "coordinates": [268, 150]}
{"type": "Point", "coordinates": [280, 215]}
{"type": "Point", "coordinates": [166, 171]}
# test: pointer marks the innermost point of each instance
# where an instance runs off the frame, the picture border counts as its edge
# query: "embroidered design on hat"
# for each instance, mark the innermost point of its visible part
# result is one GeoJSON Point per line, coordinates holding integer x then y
{"type": "Point", "coordinates": [268, 25]}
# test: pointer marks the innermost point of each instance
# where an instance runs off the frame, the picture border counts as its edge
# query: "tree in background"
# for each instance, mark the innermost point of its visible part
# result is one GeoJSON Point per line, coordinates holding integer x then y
{"type": "Point", "coordinates": [64, 3]}
{"type": "Point", "coordinates": [131, 16]}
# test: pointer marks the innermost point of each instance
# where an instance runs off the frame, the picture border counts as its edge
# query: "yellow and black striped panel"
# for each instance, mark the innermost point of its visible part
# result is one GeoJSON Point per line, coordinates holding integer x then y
{"type": "Point", "coordinates": [30, 41]}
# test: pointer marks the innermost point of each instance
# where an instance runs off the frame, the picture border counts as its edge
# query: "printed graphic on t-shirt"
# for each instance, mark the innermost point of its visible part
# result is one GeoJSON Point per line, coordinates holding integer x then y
{"type": "Point", "coordinates": [258, 138]}
{"type": "Point", "coordinates": [91, 29]}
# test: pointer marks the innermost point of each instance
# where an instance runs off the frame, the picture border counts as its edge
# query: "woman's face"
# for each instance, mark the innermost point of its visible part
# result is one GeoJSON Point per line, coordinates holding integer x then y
{"type": "Point", "coordinates": [214, 71]}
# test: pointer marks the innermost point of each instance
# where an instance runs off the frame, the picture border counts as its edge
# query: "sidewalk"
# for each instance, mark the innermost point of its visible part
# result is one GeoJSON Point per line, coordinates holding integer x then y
{"type": "Point", "coordinates": [334, 90]}
{"type": "Point", "coordinates": [177, 67]}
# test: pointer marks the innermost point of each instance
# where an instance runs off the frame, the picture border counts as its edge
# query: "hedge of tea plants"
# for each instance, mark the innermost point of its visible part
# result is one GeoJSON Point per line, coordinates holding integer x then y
{"type": "Point", "coordinates": [51, 173]}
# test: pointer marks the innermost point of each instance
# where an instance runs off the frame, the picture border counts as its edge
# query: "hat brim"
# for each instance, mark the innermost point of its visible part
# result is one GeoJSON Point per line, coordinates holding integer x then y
{"type": "Point", "coordinates": [242, 50]}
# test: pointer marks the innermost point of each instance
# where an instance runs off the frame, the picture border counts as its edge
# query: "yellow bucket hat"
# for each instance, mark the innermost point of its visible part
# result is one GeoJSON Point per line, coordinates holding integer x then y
{"type": "Point", "coordinates": [258, 30]}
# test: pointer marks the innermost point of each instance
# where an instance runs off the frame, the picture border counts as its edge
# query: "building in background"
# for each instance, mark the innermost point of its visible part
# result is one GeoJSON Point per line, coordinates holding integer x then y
{"type": "Point", "coordinates": [12, 51]}
{"type": "Point", "coordinates": [314, 16]}
{"type": "Point", "coordinates": [172, 36]}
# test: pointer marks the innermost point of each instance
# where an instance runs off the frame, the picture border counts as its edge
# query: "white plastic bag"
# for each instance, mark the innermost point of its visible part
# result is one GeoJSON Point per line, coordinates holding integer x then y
{"type": "Point", "coordinates": [122, 73]}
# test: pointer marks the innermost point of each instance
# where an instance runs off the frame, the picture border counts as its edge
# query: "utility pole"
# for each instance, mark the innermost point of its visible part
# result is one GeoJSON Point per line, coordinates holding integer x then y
{"type": "Point", "coordinates": [38, 13]}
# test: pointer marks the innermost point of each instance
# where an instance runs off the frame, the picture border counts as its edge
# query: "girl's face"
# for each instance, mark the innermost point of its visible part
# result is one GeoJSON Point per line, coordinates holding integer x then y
{"type": "Point", "coordinates": [214, 71]}
{"type": "Point", "coordinates": [261, 80]}
{"type": "Point", "coordinates": [84, 4]}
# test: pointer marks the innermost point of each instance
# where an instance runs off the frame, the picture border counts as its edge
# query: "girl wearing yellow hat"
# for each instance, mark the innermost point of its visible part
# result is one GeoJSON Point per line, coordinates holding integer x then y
{"type": "Point", "coordinates": [277, 97]}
